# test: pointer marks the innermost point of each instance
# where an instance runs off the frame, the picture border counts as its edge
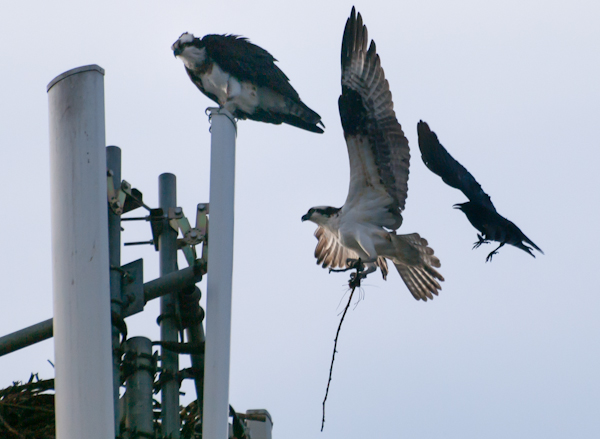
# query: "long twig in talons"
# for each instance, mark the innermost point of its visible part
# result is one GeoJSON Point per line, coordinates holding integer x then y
{"type": "Point", "coordinates": [334, 351]}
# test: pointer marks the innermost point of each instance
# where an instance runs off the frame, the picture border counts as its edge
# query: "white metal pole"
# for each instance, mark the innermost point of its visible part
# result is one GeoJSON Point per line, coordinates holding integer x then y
{"type": "Point", "coordinates": [220, 267]}
{"type": "Point", "coordinates": [82, 328]}
{"type": "Point", "coordinates": [113, 163]}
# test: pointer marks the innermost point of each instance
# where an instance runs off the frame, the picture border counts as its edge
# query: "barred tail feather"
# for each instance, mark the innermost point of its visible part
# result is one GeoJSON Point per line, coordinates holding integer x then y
{"type": "Point", "coordinates": [414, 261]}
{"type": "Point", "coordinates": [299, 115]}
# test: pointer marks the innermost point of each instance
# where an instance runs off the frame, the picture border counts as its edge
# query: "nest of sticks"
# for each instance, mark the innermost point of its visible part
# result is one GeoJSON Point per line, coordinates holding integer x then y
{"type": "Point", "coordinates": [27, 410]}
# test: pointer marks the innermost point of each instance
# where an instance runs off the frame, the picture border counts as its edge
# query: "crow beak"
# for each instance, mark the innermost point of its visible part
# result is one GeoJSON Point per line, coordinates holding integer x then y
{"type": "Point", "coordinates": [456, 206]}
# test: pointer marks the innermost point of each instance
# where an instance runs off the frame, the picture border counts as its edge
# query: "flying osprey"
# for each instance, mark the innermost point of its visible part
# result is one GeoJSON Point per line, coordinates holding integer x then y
{"type": "Point", "coordinates": [243, 78]}
{"type": "Point", "coordinates": [480, 211]}
{"type": "Point", "coordinates": [362, 231]}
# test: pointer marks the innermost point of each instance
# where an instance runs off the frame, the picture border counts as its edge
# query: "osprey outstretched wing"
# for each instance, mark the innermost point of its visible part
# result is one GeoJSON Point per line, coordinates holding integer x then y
{"type": "Point", "coordinates": [330, 252]}
{"type": "Point", "coordinates": [363, 229]}
{"type": "Point", "coordinates": [480, 211]}
{"type": "Point", "coordinates": [377, 148]}
{"type": "Point", "coordinates": [243, 78]}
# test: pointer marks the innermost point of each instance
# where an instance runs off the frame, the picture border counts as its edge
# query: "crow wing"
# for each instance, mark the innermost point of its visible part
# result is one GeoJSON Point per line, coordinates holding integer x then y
{"type": "Point", "coordinates": [330, 253]}
{"type": "Point", "coordinates": [246, 61]}
{"type": "Point", "coordinates": [440, 162]}
{"type": "Point", "coordinates": [377, 148]}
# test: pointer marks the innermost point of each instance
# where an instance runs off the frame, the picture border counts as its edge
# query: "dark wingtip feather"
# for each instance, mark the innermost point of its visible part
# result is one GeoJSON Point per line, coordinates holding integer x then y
{"type": "Point", "coordinates": [423, 128]}
{"type": "Point", "coordinates": [355, 35]}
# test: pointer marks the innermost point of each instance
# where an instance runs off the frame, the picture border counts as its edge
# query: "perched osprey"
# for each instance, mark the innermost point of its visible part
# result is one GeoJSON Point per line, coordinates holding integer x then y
{"type": "Point", "coordinates": [362, 231]}
{"type": "Point", "coordinates": [243, 78]}
{"type": "Point", "coordinates": [480, 211]}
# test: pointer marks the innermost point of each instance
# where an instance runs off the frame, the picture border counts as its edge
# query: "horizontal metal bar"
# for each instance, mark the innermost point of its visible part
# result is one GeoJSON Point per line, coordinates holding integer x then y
{"type": "Point", "coordinates": [26, 337]}
{"type": "Point", "coordinates": [175, 281]}
{"type": "Point", "coordinates": [135, 218]}
{"type": "Point", "coordinates": [139, 243]}
{"type": "Point", "coordinates": [170, 283]}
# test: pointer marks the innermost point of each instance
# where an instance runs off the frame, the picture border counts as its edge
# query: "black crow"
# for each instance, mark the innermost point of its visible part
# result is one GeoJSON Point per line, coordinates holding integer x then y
{"type": "Point", "coordinates": [479, 209]}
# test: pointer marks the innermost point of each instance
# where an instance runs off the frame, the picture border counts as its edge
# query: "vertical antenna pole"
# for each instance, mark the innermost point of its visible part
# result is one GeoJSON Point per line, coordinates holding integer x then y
{"type": "Point", "coordinates": [113, 164]}
{"type": "Point", "coordinates": [82, 332]}
{"type": "Point", "coordinates": [190, 302]}
{"type": "Point", "coordinates": [167, 246]}
{"type": "Point", "coordinates": [138, 397]}
{"type": "Point", "coordinates": [220, 267]}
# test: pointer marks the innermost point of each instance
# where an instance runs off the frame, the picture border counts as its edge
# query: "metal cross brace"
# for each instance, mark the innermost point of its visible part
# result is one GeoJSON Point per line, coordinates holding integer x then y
{"type": "Point", "coordinates": [192, 236]}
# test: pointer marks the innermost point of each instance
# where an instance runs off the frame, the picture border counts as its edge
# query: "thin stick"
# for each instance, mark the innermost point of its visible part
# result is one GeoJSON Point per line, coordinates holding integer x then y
{"type": "Point", "coordinates": [334, 351]}
{"type": "Point", "coordinates": [11, 429]}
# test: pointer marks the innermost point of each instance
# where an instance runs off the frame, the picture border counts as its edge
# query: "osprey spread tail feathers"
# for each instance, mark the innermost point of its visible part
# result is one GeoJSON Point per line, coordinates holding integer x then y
{"type": "Point", "coordinates": [410, 253]}
{"type": "Point", "coordinates": [415, 261]}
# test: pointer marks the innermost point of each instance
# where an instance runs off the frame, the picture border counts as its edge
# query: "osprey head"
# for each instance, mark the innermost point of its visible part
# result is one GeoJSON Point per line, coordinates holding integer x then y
{"type": "Point", "coordinates": [184, 40]}
{"type": "Point", "coordinates": [320, 214]}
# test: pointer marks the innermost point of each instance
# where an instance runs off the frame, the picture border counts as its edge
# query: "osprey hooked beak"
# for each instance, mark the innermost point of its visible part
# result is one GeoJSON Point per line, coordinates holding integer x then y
{"type": "Point", "coordinates": [308, 214]}
{"type": "Point", "coordinates": [183, 39]}
{"type": "Point", "coordinates": [176, 48]}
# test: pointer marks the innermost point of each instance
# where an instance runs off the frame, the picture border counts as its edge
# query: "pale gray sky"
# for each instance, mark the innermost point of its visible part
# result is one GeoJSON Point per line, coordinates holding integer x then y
{"type": "Point", "coordinates": [508, 349]}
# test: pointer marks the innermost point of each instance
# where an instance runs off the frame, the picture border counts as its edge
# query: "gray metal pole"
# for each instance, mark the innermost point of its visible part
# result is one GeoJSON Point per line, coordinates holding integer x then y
{"type": "Point", "coordinates": [26, 337]}
{"type": "Point", "coordinates": [167, 246]}
{"type": "Point", "coordinates": [220, 268]}
{"type": "Point", "coordinates": [113, 163]}
{"type": "Point", "coordinates": [183, 279]}
{"type": "Point", "coordinates": [195, 335]}
{"type": "Point", "coordinates": [138, 395]}
{"type": "Point", "coordinates": [194, 332]}
{"type": "Point", "coordinates": [82, 332]}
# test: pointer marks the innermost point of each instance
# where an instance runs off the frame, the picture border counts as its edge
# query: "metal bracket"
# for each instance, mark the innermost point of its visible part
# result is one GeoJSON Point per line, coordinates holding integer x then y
{"type": "Point", "coordinates": [191, 236]}
{"type": "Point", "coordinates": [202, 226]}
{"type": "Point", "coordinates": [156, 224]}
{"type": "Point", "coordinates": [123, 200]}
{"type": "Point", "coordinates": [116, 199]}
{"type": "Point", "coordinates": [134, 198]}
{"type": "Point", "coordinates": [220, 110]}
{"type": "Point", "coordinates": [175, 215]}
{"type": "Point", "coordinates": [132, 287]}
